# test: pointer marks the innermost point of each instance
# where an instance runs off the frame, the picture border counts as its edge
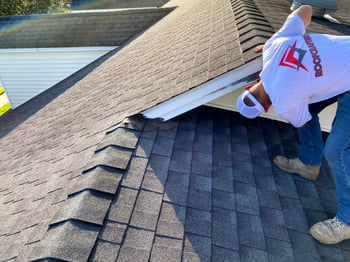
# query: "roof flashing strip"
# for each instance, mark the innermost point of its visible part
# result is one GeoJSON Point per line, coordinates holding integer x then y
{"type": "Point", "coordinates": [204, 93]}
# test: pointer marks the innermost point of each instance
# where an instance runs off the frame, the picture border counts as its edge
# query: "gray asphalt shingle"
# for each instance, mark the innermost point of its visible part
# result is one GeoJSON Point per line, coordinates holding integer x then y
{"type": "Point", "coordinates": [245, 222]}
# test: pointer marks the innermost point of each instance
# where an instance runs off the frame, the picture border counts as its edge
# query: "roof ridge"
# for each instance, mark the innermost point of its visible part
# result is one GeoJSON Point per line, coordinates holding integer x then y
{"type": "Point", "coordinates": [252, 26]}
{"type": "Point", "coordinates": [90, 195]}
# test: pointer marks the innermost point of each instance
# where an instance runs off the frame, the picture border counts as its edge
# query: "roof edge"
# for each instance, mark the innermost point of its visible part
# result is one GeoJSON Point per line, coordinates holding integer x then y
{"type": "Point", "coordinates": [206, 92]}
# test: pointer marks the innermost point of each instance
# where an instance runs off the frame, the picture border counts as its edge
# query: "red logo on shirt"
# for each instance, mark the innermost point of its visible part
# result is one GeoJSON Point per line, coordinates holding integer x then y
{"type": "Point", "coordinates": [293, 57]}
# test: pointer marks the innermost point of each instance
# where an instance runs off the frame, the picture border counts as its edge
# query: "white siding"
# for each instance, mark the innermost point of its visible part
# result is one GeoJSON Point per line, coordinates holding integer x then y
{"type": "Point", "coordinates": [26, 73]}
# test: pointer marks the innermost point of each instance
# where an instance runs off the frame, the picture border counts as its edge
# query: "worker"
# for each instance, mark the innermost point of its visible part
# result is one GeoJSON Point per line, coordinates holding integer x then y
{"type": "Point", "coordinates": [299, 70]}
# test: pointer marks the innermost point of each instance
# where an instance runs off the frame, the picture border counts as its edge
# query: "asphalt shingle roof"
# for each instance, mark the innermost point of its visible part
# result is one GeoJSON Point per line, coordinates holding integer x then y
{"type": "Point", "coordinates": [112, 4]}
{"type": "Point", "coordinates": [112, 28]}
{"type": "Point", "coordinates": [76, 183]}
{"type": "Point", "coordinates": [201, 187]}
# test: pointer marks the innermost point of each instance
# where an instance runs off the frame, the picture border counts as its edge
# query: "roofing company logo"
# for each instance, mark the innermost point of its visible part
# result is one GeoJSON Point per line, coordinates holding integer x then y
{"type": "Point", "coordinates": [293, 57]}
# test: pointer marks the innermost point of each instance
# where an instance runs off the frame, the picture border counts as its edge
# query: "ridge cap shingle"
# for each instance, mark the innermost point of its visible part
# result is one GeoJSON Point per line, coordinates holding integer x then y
{"type": "Point", "coordinates": [73, 231]}
{"type": "Point", "coordinates": [253, 28]}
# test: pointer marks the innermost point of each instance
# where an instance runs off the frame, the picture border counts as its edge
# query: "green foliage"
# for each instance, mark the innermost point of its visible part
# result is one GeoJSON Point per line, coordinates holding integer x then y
{"type": "Point", "coordinates": [25, 7]}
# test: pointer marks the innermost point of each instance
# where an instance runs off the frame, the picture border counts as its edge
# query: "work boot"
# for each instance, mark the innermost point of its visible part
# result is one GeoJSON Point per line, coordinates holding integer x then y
{"type": "Point", "coordinates": [294, 165]}
{"type": "Point", "coordinates": [330, 231]}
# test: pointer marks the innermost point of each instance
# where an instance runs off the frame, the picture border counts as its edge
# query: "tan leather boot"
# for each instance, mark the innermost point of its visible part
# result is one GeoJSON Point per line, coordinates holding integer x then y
{"type": "Point", "coordinates": [330, 231]}
{"type": "Point", "coordinates": [294, 165]}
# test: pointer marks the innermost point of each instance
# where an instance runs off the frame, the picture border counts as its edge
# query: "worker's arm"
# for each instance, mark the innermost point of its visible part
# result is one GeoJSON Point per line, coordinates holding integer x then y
{"type": "Point", "coordinates": [305, 13]}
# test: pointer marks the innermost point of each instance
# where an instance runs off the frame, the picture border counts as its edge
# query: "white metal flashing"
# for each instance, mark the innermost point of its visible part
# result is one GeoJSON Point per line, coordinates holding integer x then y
{"type": "Point", "coordinates": [206, 92]}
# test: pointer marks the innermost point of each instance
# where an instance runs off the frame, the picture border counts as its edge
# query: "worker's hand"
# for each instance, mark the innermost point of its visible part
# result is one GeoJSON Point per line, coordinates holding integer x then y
{"type": "Point", "coordinates": [258, 48]}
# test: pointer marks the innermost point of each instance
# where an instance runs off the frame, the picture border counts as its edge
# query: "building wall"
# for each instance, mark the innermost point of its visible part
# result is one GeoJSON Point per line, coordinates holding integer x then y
{"type": "Point", "coordinates": [26, 73]}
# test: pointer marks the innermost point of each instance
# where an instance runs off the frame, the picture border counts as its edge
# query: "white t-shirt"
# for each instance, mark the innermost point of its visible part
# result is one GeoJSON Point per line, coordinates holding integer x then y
{"type": "Point", "coordinates": [301, 69]}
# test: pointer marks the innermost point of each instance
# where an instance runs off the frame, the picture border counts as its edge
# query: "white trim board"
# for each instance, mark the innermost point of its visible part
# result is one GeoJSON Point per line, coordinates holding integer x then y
{"type": "Point", "coordinates": [206, 92]}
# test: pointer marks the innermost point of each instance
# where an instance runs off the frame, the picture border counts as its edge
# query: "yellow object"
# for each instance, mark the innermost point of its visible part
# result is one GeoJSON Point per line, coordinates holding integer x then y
{"type": "Point", "coordinates": [4, 103]}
